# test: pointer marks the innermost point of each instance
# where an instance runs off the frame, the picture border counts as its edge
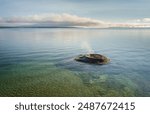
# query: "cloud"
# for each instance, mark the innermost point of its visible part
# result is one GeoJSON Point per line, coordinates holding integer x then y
{"type": "Point", "coordinates": [56, 20]}
{"type": "Point", "coordinates": [146, 20]}
{"type": "Point", "coordinates": [68, 20]}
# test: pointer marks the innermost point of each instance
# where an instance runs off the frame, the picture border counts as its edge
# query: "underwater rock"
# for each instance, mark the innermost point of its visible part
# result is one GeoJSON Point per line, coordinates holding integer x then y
{"type": "Point", "coordinates": [92, 58]}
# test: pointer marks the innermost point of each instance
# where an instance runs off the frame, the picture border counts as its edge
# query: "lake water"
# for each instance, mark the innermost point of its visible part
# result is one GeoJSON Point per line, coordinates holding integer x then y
{"type": "Point", "coordinates": [40, 62]}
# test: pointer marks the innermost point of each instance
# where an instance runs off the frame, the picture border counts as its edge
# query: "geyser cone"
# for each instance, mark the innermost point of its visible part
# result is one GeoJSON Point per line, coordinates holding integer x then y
{"type": "Point", "coordinates": [92, 58]}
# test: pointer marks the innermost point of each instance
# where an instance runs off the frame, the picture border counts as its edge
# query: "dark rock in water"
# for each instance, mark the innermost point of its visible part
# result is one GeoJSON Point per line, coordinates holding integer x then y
{"type": "Point", "coordinates": [93, 58]}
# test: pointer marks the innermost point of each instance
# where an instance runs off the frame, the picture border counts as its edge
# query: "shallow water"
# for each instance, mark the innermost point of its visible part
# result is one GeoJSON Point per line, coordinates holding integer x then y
{"type": "Point", "coordinates": [40, 62]}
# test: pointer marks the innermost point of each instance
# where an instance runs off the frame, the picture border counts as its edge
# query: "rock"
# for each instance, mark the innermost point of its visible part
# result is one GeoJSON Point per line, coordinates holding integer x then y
{"type": "Point", "coordinates": [93, 59]}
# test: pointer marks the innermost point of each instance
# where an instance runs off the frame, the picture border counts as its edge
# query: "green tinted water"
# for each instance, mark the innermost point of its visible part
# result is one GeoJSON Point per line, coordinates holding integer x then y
{"type": "Point", "coordinates": [40, 62]}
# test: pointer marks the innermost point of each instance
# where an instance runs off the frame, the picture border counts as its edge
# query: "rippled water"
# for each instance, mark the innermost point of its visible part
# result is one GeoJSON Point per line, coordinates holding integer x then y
{"type": "Point", "coordinates": [40, 62]}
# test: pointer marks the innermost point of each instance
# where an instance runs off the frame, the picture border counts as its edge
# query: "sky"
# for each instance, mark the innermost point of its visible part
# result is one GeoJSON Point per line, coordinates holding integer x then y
{"type": "Point", "coordinates": [109, 11]}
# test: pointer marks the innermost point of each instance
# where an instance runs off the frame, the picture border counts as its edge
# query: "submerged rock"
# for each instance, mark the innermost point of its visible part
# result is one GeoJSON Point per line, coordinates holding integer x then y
{"type": "Point", "coordinates": [92, 58]}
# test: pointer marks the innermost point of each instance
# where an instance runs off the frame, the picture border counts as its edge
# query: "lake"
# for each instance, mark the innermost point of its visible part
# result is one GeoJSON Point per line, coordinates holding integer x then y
{"type": "Point", "coordinates": [40, 62]}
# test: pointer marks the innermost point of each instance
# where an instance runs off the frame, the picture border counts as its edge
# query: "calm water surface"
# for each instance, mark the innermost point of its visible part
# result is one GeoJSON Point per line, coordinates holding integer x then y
{"type": "Point", "coordinates": [40, 62]}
